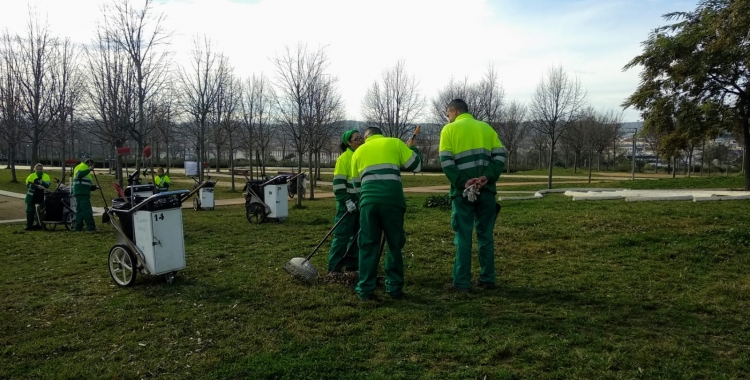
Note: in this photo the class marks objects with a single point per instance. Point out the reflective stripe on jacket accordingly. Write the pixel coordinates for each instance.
(469, 149)
(376, 172)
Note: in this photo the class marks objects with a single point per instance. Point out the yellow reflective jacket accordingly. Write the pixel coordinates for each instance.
(469, 149)
(376, 170)
(162, 182)
(83, 182)
(343, 183)
(32, 191)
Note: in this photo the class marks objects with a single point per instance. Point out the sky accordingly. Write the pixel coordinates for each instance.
(437, 39)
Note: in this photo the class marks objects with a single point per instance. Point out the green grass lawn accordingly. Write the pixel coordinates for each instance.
(586, 290)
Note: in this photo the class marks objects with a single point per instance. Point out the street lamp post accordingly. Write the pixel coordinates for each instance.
(633, 169)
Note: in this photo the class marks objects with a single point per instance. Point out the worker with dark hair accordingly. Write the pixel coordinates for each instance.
(472, 157)
(376, 170)
(162, 180)
(346, 202)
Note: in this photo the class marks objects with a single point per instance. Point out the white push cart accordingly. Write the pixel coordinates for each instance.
(266, 200)
(149, 236)
(205, 198)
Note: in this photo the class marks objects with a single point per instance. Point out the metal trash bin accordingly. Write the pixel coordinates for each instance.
(149, 235)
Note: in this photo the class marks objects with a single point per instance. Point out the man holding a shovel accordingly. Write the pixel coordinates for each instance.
(376, 171)
(83, 184)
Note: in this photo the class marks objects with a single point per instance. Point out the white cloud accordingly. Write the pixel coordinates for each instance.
(438, 39)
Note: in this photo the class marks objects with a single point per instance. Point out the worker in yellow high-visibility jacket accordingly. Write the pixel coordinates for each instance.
(376, 170)
(472, 157)
(83, 185)
(346, 201)
(36, 182)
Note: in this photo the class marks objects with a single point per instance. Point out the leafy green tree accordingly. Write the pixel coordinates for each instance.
(695, 75)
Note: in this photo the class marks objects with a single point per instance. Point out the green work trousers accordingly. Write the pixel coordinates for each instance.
(31, 213)
(374, 221)
(343, 243)
(481, 213)
(84, 213)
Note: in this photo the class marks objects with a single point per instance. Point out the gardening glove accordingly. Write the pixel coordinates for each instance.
(350, 206)
(471, 193)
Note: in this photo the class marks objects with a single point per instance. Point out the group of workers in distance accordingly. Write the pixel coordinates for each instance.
(83, 184)
(369, 193)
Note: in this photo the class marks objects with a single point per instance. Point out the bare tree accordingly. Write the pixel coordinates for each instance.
(296, 72)
(609, 127)
(489, 98)
(201, 85)
(111, 94)
(554, 106)
(257, 116)
(70, 91)
(11, 118)
(36, 58)
(164, 123)
(453, 90)
(395, 104)
(575, 139)
(228, 116)
(328, 115)
(512, 129)
(140, 34)
(540, 142)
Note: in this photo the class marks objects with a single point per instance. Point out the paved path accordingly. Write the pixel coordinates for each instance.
(15, 200)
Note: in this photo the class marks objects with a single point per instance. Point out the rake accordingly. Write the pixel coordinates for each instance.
(301, 268)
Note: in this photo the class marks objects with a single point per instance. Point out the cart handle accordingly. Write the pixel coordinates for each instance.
(183, 199)
(157, 196)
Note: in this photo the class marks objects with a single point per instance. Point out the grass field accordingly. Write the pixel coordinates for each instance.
(586, 290)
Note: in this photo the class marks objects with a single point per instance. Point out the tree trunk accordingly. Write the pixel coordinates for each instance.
(218, 158)
(674, 166)
(250, 163)
(12, 163)
(299, 179)
(169, 158)
(745, 156)
(591, 157)
(509, 153)
(262, 161)
(551, 164)
(231, 164)
(690, 164)
(311, 164)
(575, 162)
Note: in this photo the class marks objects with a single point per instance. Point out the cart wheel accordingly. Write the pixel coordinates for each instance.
(196, 204)
(255, 213)
(302, 194)
(70, 221)
(289, 190)
(170, 277)
(122, 265)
